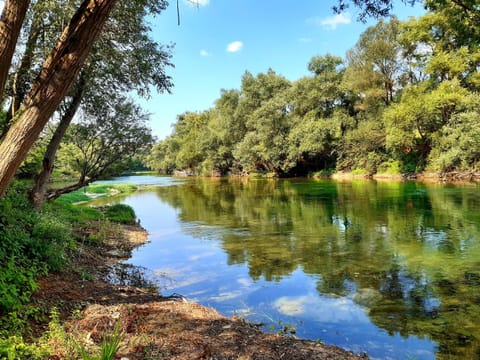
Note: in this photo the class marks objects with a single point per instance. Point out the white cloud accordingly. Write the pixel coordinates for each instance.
(204, 52)
(291, 306)
(2, 4)
(331, 22)
(235, 46)
(197, 2)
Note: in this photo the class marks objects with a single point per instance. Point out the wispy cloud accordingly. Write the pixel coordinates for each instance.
(331, 22)
(197, 2)
(204, 52)
(235, 46)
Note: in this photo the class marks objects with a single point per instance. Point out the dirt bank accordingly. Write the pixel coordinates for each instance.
(152, 326)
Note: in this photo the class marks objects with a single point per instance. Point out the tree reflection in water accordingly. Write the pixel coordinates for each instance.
(406, 252)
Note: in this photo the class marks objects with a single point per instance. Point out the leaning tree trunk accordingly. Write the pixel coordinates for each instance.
(37, 194)
(54, 194)
(13, 14)
(58, 73)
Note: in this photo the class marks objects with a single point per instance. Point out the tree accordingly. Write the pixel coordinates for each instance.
(42, 26)
(373, 66)
(370, 8)
(190, 131)
(264, 109)
(383, 8)
(457, 146)
(162, 156)
(102, 140)
(412, 124)
(11, 22)
(58, 73)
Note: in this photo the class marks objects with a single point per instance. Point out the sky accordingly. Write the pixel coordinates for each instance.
(218, 40)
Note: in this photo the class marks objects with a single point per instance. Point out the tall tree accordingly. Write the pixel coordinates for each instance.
(11, 22)
(43, 24)
(57, 75)
(102, 140)
(375, 57)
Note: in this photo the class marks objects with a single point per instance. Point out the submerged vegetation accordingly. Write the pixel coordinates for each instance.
(405, 99)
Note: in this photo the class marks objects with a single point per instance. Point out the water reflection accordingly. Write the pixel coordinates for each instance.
(391, 268)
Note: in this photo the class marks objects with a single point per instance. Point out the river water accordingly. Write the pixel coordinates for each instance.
(387, 268)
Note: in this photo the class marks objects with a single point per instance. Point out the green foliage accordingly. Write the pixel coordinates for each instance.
(120, 213)
(458, 144)
(15, 348)
(32, 243)
(104, 142)
(74, 197)
(390, 167)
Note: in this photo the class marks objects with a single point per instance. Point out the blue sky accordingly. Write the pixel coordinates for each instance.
(219, 40)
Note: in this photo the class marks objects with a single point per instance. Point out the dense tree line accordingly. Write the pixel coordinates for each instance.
(405, 99)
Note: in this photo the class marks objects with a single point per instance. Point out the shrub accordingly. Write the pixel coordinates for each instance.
(32, 243)
(390, 167)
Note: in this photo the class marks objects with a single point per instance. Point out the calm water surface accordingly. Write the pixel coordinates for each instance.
(391, 269)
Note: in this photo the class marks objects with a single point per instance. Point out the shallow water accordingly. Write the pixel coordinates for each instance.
(389, 268)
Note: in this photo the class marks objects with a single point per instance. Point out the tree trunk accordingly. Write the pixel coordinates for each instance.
(22, 79)
(13, 14)
(37, 194)
(53, 194)
(48, 90)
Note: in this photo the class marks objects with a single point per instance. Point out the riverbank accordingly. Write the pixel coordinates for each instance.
(151, 326)
(453, 177)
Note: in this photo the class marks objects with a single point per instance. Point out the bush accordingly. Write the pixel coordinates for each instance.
(14, 347)
(360, 171)
(32, 243)
(390, 167)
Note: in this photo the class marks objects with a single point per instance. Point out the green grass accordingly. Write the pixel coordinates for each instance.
(82, 195)
(120, 213)
(74, 197)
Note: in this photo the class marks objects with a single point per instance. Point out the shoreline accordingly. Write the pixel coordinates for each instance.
(90, 307)
(457, 177)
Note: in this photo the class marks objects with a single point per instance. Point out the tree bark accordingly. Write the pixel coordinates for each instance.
(37, 194)
(22, 79)
(58, 73)
(13, 14)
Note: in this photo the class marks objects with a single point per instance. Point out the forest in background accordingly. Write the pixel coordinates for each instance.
(403, 100)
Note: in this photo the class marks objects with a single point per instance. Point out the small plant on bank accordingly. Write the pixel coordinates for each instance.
(109, 347)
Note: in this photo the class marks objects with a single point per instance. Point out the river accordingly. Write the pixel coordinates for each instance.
(387, 268)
